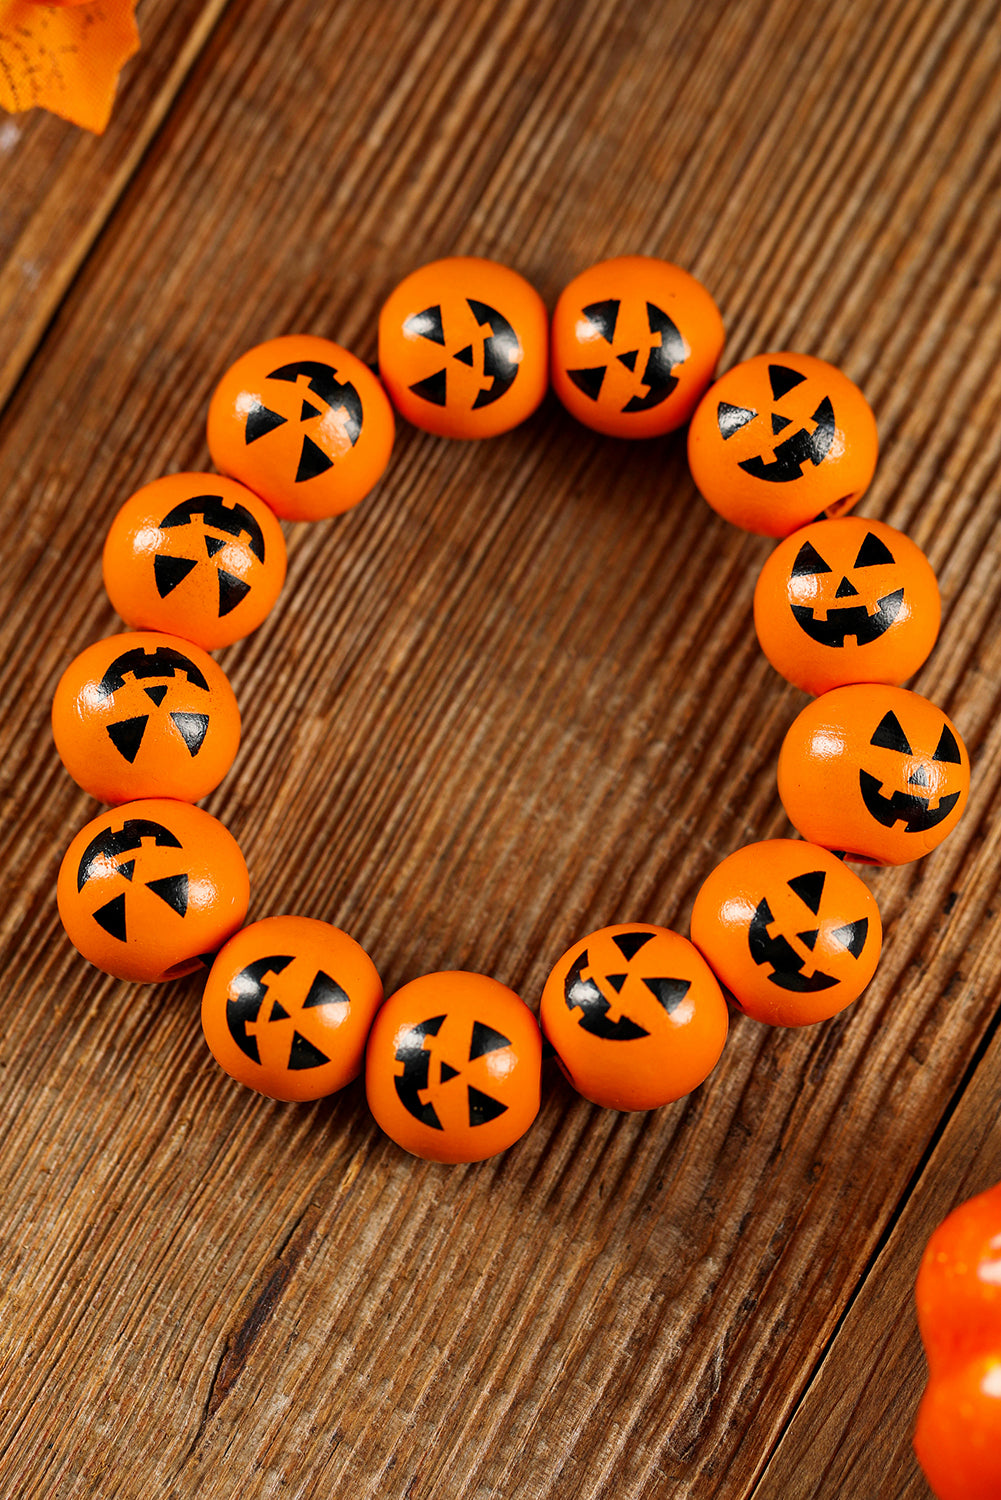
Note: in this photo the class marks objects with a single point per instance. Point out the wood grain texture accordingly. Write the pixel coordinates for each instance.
(513, 696)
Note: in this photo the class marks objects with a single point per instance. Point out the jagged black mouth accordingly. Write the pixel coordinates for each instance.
(852, 620)
(916, 813)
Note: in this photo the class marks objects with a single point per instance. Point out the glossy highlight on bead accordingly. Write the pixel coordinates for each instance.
(878, 773)
(845, 601)
(789, 930)
(635, 342)
(287, 1007)
(781, 440)
(464, 347)
(636, 1016)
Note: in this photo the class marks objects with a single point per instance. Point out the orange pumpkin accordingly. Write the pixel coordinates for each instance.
(145, 715)
(150, 890)
(635, 342)
(792, 933)
(846, 601)
(453, 1067)
(195, 555)
(287, 1007)
(876, 772)
(635, 1015)
(781, 440)
(304, 424)
(464, 347)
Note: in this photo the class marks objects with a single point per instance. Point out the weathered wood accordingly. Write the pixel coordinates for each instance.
(514, 695)
(852, 1433)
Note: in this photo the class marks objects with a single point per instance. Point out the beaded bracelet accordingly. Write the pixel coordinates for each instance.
(637, 1015)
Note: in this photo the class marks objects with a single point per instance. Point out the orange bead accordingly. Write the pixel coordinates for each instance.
(958, 1295)
(780, 440)
(464, 347)
(150, 890)
(635, 342)
(846, 601)
(453, 1069)
(635, 1015)
(304, 424)
(792, 933)
(957, 1438)
(144, 715)
(197, 556)
(288, 1005)
(878, 773)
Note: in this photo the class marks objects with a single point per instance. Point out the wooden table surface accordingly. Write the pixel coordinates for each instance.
(511, 697)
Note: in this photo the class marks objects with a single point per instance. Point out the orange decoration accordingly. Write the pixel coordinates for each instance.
(304, 424)
(635, 342)
(958, 1435)
(792, 933)
(635, 1015)
(65, 56)
(453, 1069)
(878, 773)
(143, 715)
(846, 601)
(464, 347)
(150, 890)
(781, 440)
(195, 555)
(288, 1005)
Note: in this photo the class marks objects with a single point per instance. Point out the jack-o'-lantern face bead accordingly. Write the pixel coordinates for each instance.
(453, 1067)
(287, 1007)
(635, 341)
(463, 347)
(635, 1015)
(781, 440)
(304, 424)
(197, 556)
(846, 601)
(877, 773)
(792, 934)
(150, 890)
(145, 715)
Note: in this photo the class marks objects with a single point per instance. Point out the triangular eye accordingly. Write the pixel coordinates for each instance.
(852, 936)
(890, 736)
(873, 553)
(808, 560)
(731, 419)
(947, 749)
(783, 379)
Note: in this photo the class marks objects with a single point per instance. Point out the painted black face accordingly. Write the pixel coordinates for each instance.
(233, 521)
(501, 353)
(108, 846)
(582, 991)
(666, 350)
(786, 965)
(416, 1077)
(164, 662)
(336, 394)
(911, 808)
(802, 446)
(245, 1002)
(848, 620)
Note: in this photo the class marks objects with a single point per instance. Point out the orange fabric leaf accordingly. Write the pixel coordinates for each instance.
(65, 58)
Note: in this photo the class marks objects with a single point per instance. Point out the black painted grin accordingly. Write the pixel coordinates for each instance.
(786, 964)
(850, 620)
(917, 813)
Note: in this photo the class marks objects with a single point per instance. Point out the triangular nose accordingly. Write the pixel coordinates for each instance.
(845, 589)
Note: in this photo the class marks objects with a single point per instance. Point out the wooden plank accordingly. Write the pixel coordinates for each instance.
(513, 696)
(60, 182)
(852, 1433)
